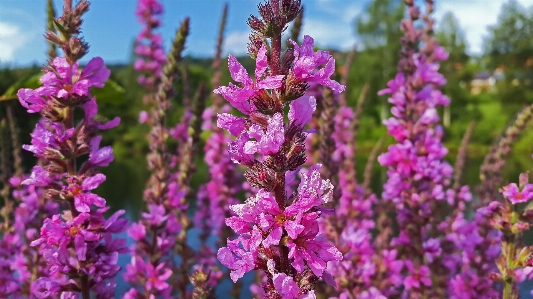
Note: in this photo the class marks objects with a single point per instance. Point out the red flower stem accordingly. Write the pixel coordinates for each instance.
(276, 55)
(279, 189)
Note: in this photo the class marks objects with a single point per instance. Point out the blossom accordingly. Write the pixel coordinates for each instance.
(156, 279)
(267, 142)
(45, 287)
(273, 151)
(62, 80)
(417, 277)
(149, 45)
(301, 110)
(100, 157)
(306, 63)
(83, 198)
(238, 96)
(515, 195)
(240, 259)
(315, 251)
(285, 286)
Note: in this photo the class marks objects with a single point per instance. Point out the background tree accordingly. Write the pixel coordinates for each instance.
(378, 33)
(509, 48)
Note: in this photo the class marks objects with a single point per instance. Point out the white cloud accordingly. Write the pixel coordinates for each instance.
(11, 39)
(236, 43)
(329, 34)
(334, 28)
(474, 16)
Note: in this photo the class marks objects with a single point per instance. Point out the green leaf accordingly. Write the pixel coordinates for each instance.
(32, 82)
(111, 93)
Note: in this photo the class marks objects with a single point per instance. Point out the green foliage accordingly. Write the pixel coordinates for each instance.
(111, 93)
(31, 81)
(379, 31)
(510, 41)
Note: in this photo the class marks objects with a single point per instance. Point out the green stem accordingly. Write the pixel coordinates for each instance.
(508, 288)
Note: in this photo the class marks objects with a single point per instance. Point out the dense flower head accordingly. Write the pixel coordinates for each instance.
(149, 45)
(261, 216)
(76, 244)
(277, 228)
(418, 176)
(64, 85)
(81, 245)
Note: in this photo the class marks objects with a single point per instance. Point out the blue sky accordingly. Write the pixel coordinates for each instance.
(110, 26)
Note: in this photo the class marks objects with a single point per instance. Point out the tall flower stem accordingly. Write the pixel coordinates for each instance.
(509, 250)
(68, 122)
(277, 227)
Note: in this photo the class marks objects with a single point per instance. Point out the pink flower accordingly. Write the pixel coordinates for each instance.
(267, 142)
(307, 61)
(515, 195)
(58, 233)
(240, 259)
(235, 125)
(238, 96)
(301, 110)
(143, 117)
(66, 79)
(394, 85)
(416, 276)
(83, 199)
(156, 279)
(100, 157)
(312, 250)
(45, 287)
(285, 285)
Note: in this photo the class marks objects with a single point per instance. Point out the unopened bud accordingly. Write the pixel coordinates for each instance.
(523, 179)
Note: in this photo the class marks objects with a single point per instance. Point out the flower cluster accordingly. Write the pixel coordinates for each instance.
(18, 260)
(515, 261)
(149, 45)
(418, 175)
(150, 271)
(278, 229)
(78, 242)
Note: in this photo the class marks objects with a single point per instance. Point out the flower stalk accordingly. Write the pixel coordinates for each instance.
(277, 225)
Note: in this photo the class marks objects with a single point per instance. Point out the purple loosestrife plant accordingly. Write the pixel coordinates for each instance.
(278, 231)
(349, 227)
(78, 242)
(418, 174)
(442, 256)
(152, 263)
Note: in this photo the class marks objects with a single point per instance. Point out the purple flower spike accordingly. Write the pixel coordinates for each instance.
(76, 247)
(278, 223)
